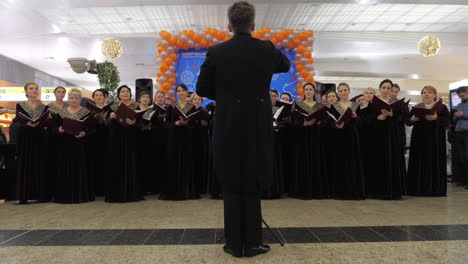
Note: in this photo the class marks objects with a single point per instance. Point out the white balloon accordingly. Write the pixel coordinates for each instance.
(309, 66)
(300, 79)
(170, 92)
(190, 42)
(158, 38)
(170, 49)
(294, 50)
(291, 36)
(267, 35)
(162, 79)
(164, 42)
(298, 55)
(284, 42)
(209, 38)
(158, 60)
(172, 68)
(197, 46)
(164, 54)
(183, 37)
(303, 60)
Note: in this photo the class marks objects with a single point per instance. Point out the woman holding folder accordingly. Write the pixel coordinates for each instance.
(200, 144)
(427, 168)
(123, 183)
(145, 170)
(32, 181)
(308, 169)
(181, 183)
(97, 142)
(384, 178)
(73, 183)
(344, 171)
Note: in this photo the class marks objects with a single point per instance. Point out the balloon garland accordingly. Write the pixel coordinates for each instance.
(300, 42)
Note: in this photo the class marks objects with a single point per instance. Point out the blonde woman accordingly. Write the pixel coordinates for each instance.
(73, 183)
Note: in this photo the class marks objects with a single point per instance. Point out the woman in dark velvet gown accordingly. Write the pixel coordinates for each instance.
(384, 178)
(149, 179)
(98, 143)
(365, 119)
(158, 123)
(32, 180)
(277, 188)
(201, 145)
(308, 168)
(214, 186)
(54, 107)
(329, 134)
(180, 183)
(73, 182)
(345, 166)
(285, 128)
(122, 183)
(427, 167)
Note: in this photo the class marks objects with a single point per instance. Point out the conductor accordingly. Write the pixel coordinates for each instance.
(237, 75)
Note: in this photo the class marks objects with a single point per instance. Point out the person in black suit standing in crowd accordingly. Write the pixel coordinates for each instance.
(237, 75)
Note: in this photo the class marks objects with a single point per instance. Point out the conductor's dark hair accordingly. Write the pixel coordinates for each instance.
(121, 88)
(104, 92)
(386, 81)
(274, 91)
(462, 89)
(183, 86)
(241, 16)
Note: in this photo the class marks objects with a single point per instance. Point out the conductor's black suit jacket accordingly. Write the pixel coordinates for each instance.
(237, 75)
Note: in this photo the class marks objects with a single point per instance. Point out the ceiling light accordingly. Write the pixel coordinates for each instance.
(429, 46)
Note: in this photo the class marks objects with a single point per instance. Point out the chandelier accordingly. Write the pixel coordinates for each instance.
(111, 48)
(429, 46)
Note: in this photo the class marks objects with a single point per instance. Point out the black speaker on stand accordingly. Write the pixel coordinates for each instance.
(143, 85)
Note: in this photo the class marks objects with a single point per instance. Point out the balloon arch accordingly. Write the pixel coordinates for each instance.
(300, 42)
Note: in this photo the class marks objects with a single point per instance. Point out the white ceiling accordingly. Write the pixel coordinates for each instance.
(353, 38)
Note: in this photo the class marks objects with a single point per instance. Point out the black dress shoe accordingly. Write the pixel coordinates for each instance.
(251, 252)
(232, 252)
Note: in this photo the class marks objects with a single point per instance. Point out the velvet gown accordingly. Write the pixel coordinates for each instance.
(32, 180)
(427, 166)
(145, 167)
(73, 183)
(98, 153)
(365, 120)
(123, 183)
(308, 176)
(345, 172)
(385, 176)
(180, 183)
(201, 153)
(214, 186)
(52, 144)
(159, 125)
(277, 187)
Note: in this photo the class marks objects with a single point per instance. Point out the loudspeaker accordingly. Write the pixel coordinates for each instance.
(322, 88)
(143, 85)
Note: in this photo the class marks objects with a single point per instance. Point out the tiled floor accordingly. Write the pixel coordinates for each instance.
(413, 230)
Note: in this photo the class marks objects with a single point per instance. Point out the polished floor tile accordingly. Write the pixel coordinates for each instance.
(363, 234)
(165, 237)
(132, 237)
(330, 235)
(395, 234)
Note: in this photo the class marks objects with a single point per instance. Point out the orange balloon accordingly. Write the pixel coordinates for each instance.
(185, 46)
(204, 42)
(296, 42)
(301, 48)
(196, 38)
(166, 86)
(172, 41)
(163, 67)
(160, 73)
(304, 73)
(274, 40)
(172, 80)
(309, 79)
(173, 55)
(190, 34)
(220, 35)
(307, 54)
(290, 46)
(299, 67)
(168, 60)
(267, 29)
(302, 36)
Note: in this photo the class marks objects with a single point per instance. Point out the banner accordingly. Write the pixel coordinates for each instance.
(190, 61)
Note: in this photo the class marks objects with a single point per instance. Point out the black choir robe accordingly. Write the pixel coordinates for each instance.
(180, 183)
(344, 164)
(145, 167)
(123, 183)
(73, 183)
(32, 180)
(308, 175)
(365, 120)
(385, 176)
(158, 162)
(427, 166)
(98, 152)
(201, 152)
(277, 187)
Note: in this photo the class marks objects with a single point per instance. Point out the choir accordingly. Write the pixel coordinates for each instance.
(336, 148)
